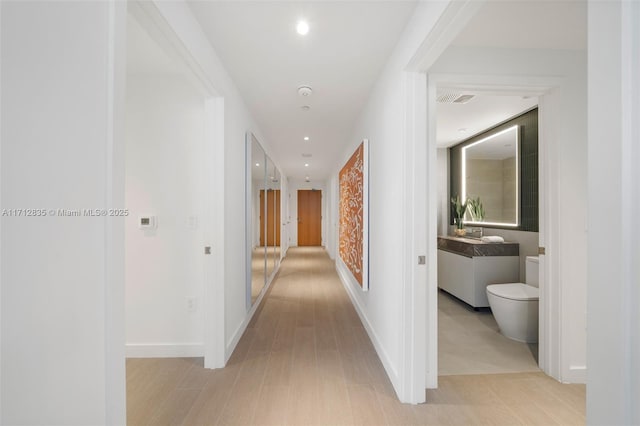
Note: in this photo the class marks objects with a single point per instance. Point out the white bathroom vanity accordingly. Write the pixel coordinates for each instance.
(466, 266)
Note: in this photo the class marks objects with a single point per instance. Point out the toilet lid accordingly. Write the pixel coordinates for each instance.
(514, 291)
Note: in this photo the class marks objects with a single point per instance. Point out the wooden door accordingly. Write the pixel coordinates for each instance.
(273, 218)
(262, 219)
(309, 218)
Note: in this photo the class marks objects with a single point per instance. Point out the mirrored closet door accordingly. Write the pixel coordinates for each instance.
(263, 221)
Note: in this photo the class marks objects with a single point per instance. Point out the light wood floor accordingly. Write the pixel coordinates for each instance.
(470, 342)
(306, 359)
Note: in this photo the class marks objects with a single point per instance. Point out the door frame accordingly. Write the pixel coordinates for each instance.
(421, 308)
(419, 369)
(151, 19)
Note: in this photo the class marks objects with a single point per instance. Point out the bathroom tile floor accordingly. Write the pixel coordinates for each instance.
(469, 342)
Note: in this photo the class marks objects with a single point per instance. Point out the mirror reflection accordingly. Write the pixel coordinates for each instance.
(490, 179)
(257, 168)
(274, 223)
(268, 225)
(263, 219)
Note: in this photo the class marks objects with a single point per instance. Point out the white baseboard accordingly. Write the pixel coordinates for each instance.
(164, 350)
(576, 374)
(350, 285)
(231, 344)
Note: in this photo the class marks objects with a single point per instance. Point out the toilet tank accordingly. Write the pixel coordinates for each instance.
(531, 270)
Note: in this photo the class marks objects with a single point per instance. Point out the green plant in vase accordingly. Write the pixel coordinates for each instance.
(476, 209)
(459, 209)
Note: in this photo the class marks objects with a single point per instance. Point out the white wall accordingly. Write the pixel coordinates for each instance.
(382, 122)
(292, 219)
(237, 120)
(62, 338)
(563, 126)
(164, 139)
(613, 386)
(332, 217)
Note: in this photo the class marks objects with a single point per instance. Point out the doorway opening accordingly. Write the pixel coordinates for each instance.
(171, 136)
(487, 146)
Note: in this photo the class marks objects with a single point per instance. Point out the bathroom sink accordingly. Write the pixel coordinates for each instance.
(474, 240)
(472, 247)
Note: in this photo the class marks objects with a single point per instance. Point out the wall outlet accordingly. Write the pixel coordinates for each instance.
(192, 304)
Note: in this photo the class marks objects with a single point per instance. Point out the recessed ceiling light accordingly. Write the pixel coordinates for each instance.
(302, 28)
(306, 164)
(306, 138)
(462, 130)
(257, 164)
(305, 107)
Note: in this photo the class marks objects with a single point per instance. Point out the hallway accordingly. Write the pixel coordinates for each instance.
(306, 359)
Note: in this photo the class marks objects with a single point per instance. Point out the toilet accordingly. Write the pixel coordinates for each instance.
(515, 305)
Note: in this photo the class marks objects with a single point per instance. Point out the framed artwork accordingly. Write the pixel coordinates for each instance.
(354, 215)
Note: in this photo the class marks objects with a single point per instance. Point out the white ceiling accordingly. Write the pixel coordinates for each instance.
(539, 24)
(340, 58)
(527, 24)
(479, 114)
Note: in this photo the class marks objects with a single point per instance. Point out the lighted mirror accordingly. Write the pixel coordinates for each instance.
(490, 179)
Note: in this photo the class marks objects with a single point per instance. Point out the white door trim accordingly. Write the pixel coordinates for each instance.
(114, 301)
(151, 18)
(213, 223)
(453, 20)
(550, 297)
(419, 170)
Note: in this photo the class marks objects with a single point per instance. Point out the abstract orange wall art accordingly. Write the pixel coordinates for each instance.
(354, 199)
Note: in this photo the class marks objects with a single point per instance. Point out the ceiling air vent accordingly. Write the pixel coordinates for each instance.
(463, 99)
(453, 98)
(447, 97)
(307, 155)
